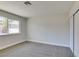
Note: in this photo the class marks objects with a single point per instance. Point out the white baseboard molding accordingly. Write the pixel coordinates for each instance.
(9, 45)
(50, 43)
(72, 51)
(12, 44)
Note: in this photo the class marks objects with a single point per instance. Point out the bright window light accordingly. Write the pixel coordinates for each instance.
(13, 26)
(8, 26)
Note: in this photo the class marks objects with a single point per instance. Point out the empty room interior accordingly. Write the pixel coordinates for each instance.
(39, 28)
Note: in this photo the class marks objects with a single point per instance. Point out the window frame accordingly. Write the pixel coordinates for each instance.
(7, 33)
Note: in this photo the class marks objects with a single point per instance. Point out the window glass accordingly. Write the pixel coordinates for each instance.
(3, 24)
(8, 26)
(13, 26)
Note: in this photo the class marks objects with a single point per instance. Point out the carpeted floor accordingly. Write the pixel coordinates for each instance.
(32, 49)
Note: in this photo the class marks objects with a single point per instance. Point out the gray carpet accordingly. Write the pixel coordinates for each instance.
(32, 49)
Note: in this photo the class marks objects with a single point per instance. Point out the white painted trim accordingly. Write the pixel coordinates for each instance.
(9, 45)
(63, 45)
(71, 48)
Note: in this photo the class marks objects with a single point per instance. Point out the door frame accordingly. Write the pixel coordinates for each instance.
(74, 28)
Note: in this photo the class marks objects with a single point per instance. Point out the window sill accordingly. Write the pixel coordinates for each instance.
(9, 34)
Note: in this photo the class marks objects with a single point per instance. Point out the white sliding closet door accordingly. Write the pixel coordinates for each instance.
(76, 34)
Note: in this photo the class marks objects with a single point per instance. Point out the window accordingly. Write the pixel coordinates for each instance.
(13, 26)
(8, 26)
(3, 25)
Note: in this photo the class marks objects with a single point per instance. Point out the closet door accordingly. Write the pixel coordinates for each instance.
(76, 34)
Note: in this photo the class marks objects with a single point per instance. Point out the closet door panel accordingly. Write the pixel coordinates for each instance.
(76, 34)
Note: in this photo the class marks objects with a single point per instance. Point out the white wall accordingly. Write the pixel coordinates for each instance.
(12, 39)
(73, 10)
(52, 29)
